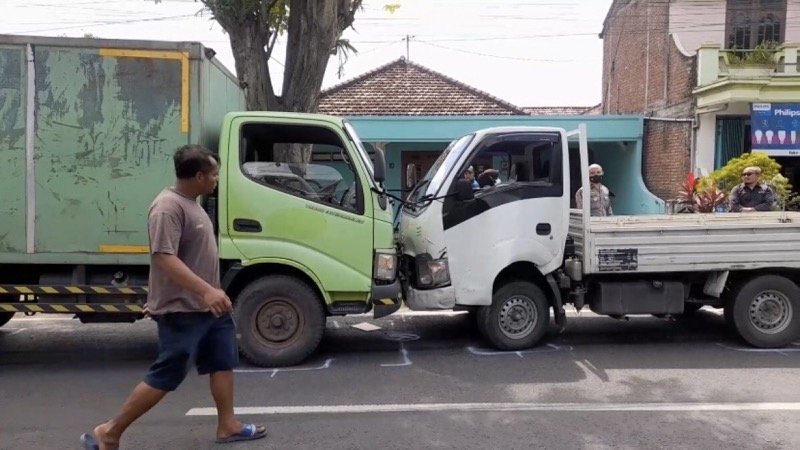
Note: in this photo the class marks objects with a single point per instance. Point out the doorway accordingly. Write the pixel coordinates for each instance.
(423, 162)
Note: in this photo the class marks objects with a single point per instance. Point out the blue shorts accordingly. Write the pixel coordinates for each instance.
(192, 338)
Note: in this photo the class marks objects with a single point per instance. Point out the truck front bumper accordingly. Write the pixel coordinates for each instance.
(435, 299)
(386, 299)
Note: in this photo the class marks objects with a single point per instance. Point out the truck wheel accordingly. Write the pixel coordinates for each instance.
(765, 311)
(5, 317)
(518, 316)
(280, 321)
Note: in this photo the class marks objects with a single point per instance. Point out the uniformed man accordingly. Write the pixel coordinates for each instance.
(600, 199)
(751, 195)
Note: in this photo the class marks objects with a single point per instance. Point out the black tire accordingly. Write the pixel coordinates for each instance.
(481, 320)
(5, 317)
(529, 303)
(280, 321)
(766, 311)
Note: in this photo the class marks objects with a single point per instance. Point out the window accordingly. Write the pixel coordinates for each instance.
(523, 158)
(751, 22)
(269, 152)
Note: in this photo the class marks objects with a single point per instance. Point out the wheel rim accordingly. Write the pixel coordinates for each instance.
(517, 317)
(278, 323)
(770, 312)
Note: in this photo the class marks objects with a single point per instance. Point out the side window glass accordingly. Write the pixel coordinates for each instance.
(273, 155)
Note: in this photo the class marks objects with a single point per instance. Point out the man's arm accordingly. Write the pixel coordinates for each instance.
(766, 201)
(734, 200)
(165, 234)
(579, 198)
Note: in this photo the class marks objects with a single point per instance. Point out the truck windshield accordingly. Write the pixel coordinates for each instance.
(429, 185)
(362, 152)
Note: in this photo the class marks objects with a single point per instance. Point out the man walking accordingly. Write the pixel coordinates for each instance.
(191, 311)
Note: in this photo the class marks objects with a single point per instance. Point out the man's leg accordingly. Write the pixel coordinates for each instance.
(178, 337)
(218, 355)
(141, 400)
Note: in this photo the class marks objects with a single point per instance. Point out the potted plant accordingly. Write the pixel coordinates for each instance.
(757, 63)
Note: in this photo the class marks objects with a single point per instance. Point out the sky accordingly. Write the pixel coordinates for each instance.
(527, 52)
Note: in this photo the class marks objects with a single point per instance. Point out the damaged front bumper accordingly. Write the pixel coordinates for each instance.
(436, 299)
(386, 299)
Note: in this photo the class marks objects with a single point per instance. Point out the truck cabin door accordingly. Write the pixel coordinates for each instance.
(311, 212)
(524, 217)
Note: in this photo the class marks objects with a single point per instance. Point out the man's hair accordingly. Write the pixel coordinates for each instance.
(191, 159)
(595, 166)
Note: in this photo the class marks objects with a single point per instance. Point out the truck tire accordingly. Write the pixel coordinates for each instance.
(517, 318)
(766, 311)
(280, 321)
(5, 317)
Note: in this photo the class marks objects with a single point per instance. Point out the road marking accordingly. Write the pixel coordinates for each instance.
(325, 365)
(486, 352)
(14, 331)
(782, 351)
(465, 407)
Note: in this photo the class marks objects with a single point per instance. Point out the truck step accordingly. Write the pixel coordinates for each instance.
(72, 290)
(58, 308)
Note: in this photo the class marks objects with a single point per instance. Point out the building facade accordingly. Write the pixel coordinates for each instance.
(686, 66)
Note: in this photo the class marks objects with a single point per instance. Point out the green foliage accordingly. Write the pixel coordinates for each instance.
(730, 175)
(763, 54)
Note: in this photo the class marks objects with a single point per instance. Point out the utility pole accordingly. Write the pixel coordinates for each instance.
(408, 47)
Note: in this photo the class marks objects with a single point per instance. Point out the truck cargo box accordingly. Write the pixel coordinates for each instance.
(87, 131)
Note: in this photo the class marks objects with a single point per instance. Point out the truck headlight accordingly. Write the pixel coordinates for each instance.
(432, 272)
(385, 266)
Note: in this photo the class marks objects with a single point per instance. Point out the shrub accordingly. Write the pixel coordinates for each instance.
(731, 174)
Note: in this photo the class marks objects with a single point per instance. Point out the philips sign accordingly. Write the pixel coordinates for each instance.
(774, 128)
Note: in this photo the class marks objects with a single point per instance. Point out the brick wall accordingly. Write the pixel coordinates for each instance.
(655, 83)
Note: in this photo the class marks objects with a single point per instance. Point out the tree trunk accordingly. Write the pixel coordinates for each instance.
(248, 43)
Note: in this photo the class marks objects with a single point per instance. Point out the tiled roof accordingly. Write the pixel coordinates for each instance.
(403, 88)
(556, 110)
(594, 110)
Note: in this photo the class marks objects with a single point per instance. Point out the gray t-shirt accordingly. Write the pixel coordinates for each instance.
(179, 226)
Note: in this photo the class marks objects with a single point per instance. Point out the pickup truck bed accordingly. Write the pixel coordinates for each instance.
(686, 242)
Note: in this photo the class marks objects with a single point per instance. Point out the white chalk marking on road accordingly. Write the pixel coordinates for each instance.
(406, 361)
(402, 338)
(14, 331)
(465, 407)
(484, 352)
(335, 324)
(782, 351)
(274, 372)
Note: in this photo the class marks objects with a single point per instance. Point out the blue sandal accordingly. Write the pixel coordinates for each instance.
(88, 442)
(249, 432)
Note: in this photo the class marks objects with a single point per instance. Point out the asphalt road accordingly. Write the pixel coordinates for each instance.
(422, 382)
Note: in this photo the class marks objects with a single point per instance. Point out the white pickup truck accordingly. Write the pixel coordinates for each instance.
(513, 251)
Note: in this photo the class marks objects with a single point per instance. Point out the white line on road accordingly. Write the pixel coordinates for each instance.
(556, 407)
(15, 331)
(782, 351)
(274, 372)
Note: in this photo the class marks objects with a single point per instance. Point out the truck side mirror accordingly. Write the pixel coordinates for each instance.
(379, 166)
(464, 192)
(411, 176)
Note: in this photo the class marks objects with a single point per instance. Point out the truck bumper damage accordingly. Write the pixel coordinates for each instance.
(437, 299)
(386, 299)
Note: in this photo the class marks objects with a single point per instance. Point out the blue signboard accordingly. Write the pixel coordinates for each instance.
(775, 128)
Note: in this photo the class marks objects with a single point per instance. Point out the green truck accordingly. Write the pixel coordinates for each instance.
(87, 131)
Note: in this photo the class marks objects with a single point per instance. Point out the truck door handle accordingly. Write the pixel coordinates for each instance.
(246, 225)
(543, 229)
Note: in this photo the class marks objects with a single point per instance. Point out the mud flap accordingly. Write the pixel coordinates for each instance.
(558, 305)
(387, 299)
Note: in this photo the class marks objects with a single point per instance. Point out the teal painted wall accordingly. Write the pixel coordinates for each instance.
(622, 163)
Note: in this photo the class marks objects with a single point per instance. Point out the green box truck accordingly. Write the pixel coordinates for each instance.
(87, 131)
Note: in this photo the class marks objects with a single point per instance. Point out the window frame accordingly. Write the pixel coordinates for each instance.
(360, 208)
(754, 12)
